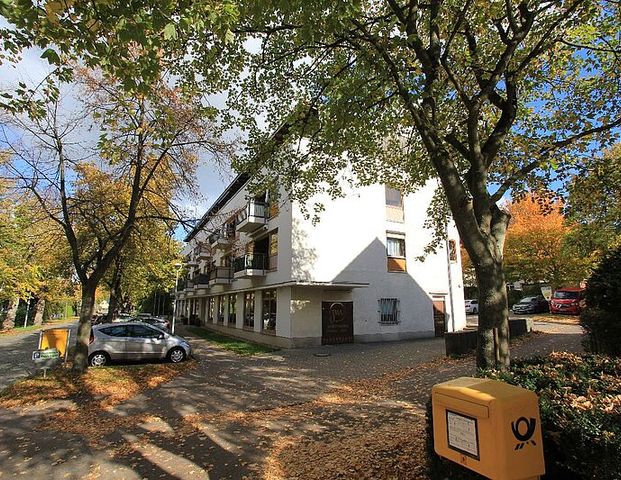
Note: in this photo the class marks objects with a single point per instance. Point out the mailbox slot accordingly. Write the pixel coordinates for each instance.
(463, 406)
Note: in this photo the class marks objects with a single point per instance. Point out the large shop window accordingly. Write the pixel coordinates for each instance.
(249, 309)
(395, 251)
(232, 310)
(221, 309)
(269, 311)
(211, 309)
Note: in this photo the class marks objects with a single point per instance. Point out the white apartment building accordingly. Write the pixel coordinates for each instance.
(259, 270)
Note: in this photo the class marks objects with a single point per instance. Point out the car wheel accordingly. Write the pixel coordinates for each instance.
(98, 359)
(474, 311)
(176, 355)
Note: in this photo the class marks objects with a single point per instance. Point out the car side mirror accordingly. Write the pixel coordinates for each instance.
(161, 336)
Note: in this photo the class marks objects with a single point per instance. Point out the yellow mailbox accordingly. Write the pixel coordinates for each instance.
(488, 426)
(57, 338)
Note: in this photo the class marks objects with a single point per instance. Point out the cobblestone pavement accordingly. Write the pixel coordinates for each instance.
(268, 416)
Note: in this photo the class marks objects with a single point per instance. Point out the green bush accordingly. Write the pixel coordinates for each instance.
(603, 331)
(580, 406)
(602, 317)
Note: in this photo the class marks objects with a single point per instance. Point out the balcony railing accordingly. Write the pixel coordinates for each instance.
(220, 275)
(213, 238)
(252, 217)
(201, 280)
(181, 284)
(250, 261)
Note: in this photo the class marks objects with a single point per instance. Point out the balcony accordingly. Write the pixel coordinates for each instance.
(219, 240)
(250, 265)
(201, 281)
(252, 217)
(181, 284)
(220, 276)
(202, 253)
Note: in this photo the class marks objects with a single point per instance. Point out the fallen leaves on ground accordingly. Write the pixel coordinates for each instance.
(101, 387)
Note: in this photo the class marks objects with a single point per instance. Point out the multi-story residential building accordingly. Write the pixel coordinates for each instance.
(258, 269)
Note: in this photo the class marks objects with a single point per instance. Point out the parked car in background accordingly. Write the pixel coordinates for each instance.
(535, 304)
(134, 341)
(568, 300)
(155, 321)
(472, 306)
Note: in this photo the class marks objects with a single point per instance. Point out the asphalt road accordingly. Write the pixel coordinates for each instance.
(16, 354)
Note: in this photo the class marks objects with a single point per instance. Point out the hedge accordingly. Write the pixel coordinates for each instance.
(580, 405)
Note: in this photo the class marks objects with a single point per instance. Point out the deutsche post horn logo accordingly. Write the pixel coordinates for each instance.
(523, 434)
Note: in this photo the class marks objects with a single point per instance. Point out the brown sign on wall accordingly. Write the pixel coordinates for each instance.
(337, 322)
(439, 317)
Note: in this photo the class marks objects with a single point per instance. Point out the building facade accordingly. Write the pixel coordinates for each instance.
(259, 270)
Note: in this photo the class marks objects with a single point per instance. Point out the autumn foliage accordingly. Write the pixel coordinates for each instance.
(536, 248)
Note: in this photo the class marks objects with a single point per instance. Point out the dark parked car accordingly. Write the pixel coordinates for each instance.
(536, 304)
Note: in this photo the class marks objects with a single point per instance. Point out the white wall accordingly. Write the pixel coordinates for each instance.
(348, 245)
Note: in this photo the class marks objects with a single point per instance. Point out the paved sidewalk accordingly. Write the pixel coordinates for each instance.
(290, 414)
(16, 353)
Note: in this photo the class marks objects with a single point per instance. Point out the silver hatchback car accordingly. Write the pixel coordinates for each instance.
(134, 341)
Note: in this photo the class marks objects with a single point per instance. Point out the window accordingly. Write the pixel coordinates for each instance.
(232, 311)
(211, 309)
(452, 251)
(395, 246)
(140, 331)
(221, 309)
(269, 311)
(393, 197)
(273, 250)
(395, 251)
(117, 331)
(389, 311)
(249, 309)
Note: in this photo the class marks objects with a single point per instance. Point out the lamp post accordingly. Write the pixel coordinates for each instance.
(174, 318)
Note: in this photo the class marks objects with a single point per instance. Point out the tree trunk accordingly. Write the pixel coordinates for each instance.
(80, 360)
(114, 303)
(493, 336)
(38, 312)
(9, 321)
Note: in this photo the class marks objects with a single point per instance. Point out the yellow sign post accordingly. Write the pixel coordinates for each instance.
(488, 426)
(57, 338)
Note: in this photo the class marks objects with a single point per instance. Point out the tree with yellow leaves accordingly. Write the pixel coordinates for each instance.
(98, 188)
(537, 247)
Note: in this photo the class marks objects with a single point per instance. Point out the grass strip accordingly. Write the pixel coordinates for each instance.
(236, 345)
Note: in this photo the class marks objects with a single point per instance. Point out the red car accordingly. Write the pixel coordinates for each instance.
(568, 300)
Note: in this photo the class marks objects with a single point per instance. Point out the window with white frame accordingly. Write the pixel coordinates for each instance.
(389, 311)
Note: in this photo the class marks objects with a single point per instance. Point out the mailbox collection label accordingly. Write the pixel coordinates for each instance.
(462, 433)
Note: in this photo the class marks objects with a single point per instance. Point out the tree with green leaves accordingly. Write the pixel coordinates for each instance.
(487, 97)
(594, 203)
(145, 265)
(135, 170)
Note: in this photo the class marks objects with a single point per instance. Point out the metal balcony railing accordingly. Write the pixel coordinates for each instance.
(250, 261)
(181, 284)
(213, 238)
(220, 273)
(201, 279)
(253, 209)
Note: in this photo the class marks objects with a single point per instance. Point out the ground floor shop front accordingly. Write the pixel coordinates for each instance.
(306, 315)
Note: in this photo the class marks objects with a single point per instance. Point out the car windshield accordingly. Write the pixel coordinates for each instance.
(528, 300)
(563, 294)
